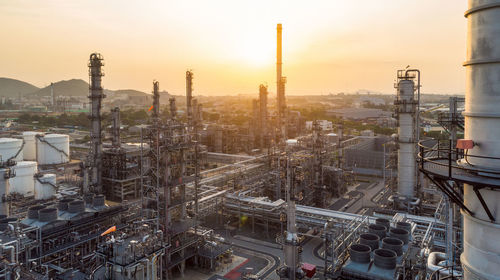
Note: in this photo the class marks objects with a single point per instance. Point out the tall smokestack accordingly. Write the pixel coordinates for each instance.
(481, 256)
(96, 95)
(280, 82)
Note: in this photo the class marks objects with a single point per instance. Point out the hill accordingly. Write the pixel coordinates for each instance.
(73, 87)
(13, 87)
(130, 92)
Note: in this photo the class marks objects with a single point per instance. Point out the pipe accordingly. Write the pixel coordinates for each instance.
(12, 252)
(433, 265)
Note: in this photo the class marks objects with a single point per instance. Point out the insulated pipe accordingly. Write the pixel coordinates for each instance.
(481, 255)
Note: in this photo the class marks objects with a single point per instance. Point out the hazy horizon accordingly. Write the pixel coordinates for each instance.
(328, 47)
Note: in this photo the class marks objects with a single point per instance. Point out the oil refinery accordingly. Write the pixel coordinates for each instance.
(277, 194)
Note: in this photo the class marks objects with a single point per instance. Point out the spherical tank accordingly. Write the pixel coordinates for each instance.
(23, 182)
(53, 149)
(9, 147)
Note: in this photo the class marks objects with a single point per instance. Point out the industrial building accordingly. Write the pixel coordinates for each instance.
(270, 200)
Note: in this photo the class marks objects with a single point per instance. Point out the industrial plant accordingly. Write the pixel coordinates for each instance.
(180, 192)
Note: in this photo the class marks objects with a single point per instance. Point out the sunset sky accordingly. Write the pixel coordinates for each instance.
(328, 46)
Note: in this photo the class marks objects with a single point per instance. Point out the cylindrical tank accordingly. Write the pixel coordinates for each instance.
(63, 204)
(9, 147)
(404, 225)
(379, 230)
(360, 253)
(47, 214)
(45, 186)
(384, 222)
(481, 240)
(33, 211)
(393, 244)
(24, 181)
(29, 149)
(385, 259)
(399, 233)
(53, 149)
(4, 187)
(76, 206)
(98, 201)
(369, 239)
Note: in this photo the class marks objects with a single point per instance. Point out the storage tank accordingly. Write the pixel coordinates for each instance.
(52, 149)
(29, 149)
(11, 147)
(45, 186)
(4, 186)
(24, 181)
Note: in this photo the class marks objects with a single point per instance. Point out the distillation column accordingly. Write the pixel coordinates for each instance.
(189, 96)
(263, 115)
(115, 116)
(405, 113)
(96, 95)
(481, 256)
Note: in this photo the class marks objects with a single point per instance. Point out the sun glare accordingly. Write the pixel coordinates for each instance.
(257, 49)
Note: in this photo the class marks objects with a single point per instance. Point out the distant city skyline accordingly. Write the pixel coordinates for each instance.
(328, 46)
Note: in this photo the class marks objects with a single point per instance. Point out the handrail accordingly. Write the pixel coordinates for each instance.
(451, 155)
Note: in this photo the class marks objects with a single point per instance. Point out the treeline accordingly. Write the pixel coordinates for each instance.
(81, 120)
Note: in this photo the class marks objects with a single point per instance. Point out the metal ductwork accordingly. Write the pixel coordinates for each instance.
(360, 253)
(481, 253)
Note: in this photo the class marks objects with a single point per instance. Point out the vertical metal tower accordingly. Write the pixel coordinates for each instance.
(406, 113)
(189, 95)
(96, 95)
(481, 255)
(280, 81)
(263, 115)
(115, 116)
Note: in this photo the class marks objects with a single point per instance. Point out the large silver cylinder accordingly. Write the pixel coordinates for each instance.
(481, 255)
(406, 138)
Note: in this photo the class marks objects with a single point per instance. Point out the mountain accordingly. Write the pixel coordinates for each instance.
(13, 87)
(130, 92)
(73, 87)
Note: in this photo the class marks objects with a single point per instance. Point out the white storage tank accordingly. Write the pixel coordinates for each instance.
(23, 182)
(9, 147)
(4, 185)
(29, 149)
(53, 149)
(45, 186)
